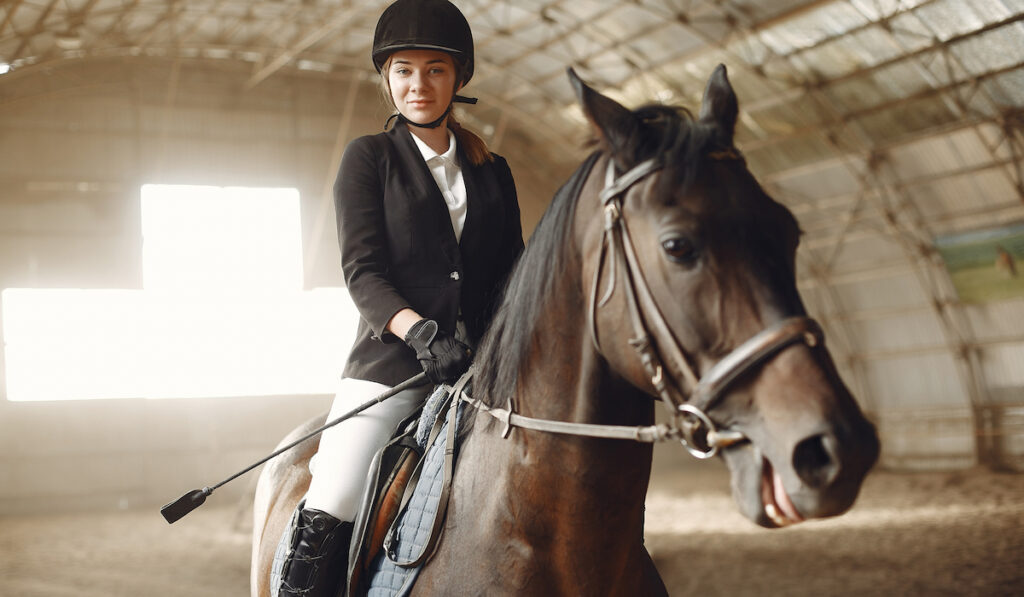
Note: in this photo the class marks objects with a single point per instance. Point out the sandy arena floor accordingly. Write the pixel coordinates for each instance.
(910, 534)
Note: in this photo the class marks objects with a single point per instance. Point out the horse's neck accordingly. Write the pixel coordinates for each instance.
(595, 479)
(548, 512)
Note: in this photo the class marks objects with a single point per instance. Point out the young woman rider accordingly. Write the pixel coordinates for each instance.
(429, 228)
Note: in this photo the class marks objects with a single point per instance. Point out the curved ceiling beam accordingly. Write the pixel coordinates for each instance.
(306, 41)
(36, 29)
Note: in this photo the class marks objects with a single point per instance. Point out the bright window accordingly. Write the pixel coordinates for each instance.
(221, 313)
(220, 238)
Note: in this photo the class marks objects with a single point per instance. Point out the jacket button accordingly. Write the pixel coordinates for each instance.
(454, 275)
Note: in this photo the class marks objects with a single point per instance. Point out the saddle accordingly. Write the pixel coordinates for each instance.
(403, 508)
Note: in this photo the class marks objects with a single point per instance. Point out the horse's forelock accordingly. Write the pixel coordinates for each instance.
(682, 142)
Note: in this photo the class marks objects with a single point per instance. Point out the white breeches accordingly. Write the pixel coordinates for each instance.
(341, 465)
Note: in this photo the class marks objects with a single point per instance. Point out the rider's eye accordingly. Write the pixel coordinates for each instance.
(680, 250)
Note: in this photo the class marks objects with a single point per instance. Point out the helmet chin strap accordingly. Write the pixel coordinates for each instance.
(435, 123)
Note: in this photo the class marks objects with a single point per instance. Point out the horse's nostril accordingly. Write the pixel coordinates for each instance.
(815, 461)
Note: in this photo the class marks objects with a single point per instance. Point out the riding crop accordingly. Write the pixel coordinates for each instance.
(195, 498)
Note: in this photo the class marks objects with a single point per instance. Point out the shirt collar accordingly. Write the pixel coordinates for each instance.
(429, 154)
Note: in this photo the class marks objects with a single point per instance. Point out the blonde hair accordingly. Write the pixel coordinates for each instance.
(472, 144)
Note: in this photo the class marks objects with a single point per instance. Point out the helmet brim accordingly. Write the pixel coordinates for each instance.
(380, 56)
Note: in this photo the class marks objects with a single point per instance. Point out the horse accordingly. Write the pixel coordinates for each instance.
(1005, 262)
(661, 272)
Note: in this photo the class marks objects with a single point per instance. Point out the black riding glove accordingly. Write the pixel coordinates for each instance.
(442, 357)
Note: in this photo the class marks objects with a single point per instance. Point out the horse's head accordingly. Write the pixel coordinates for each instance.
(691, 252)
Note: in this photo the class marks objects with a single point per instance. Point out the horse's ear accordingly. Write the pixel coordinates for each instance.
(614, 123)
(719, 106)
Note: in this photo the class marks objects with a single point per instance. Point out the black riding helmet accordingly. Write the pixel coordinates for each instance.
(424, 25)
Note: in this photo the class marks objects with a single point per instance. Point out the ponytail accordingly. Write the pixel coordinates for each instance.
(472, 145)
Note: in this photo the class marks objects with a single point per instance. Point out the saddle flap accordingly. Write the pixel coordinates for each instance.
(391, 471)
(387, 479)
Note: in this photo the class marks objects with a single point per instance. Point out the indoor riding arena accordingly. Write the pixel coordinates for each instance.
(173, 303)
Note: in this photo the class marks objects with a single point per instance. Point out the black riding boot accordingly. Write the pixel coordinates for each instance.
(317, 557)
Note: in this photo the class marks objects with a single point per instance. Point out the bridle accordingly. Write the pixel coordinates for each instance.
(689, 421)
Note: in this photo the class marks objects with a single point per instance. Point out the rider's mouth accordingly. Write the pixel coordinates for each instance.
(777, 505)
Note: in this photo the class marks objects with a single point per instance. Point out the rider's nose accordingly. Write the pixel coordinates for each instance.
(415, 81)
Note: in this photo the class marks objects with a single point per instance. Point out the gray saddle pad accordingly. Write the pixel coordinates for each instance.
(414, 523)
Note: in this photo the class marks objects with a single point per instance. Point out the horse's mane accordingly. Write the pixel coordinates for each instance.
(670, 132)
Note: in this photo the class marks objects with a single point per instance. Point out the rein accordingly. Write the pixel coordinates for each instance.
(644, 434)
(689, 421)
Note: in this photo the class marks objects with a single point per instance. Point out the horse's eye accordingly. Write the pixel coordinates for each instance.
(680, 250)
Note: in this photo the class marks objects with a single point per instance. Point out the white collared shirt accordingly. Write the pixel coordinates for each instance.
(447, 174)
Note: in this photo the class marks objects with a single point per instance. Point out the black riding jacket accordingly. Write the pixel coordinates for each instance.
(398, 248)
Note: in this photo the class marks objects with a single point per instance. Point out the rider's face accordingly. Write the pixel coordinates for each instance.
(422, 83)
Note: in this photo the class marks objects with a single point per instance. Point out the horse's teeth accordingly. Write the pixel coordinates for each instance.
(773, 513)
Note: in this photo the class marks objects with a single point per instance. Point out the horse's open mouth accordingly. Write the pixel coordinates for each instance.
(777, 505)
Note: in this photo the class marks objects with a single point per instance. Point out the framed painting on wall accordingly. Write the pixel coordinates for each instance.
(985, 265)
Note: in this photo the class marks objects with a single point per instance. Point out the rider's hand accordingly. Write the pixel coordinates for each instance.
(442, 357)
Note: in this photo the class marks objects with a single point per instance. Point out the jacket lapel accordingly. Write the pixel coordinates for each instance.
(429, 203)
(477, 196)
